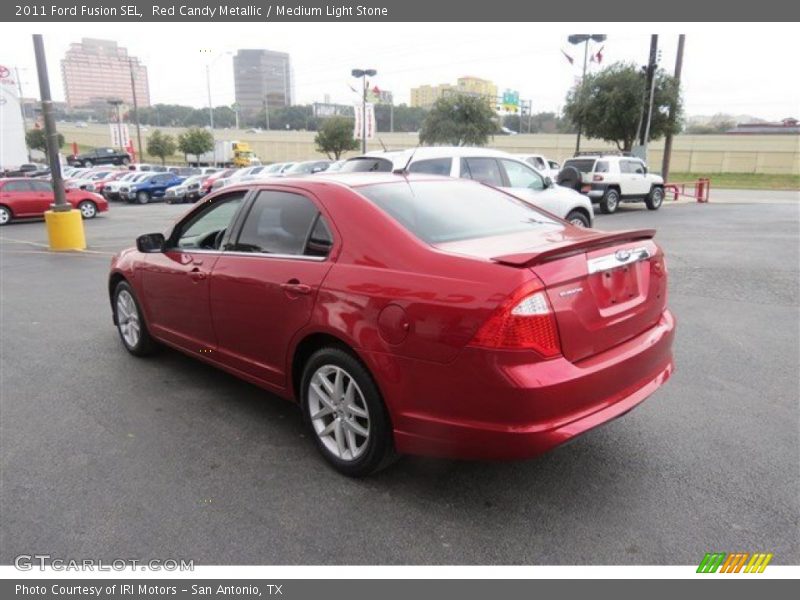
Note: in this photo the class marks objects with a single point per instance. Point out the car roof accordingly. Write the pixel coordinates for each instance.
(436, 152)
(350, 180)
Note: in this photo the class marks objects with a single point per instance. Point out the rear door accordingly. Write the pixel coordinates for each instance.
(43, 191)
(20, 197)
(264, 285)
(484, 169)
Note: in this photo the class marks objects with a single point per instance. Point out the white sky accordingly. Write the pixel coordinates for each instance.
(729, 68)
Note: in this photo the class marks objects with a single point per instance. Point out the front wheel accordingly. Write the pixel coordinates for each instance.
(87, 163)
(130, 322)
(609, 202)
(345, 413)
(655, 198)
(5, 215)
(126, 161)
(88, 209)
(578, 219)
(143, 197)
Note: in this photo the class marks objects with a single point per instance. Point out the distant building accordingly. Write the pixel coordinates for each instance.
(94, 71)
(262, 77)
(426, 95)
(788, 126)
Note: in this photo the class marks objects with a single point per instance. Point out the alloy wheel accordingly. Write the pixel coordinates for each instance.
(88, 210)
(338, 412)
(5, 215)
(128, 318)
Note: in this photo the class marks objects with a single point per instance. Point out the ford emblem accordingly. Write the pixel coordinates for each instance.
(622, 255)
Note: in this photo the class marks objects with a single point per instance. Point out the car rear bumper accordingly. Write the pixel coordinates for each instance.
(495, 405)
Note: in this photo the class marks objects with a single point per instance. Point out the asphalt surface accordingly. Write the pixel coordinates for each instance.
(104, 455)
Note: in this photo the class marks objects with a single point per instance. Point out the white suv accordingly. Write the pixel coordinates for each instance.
(492, 167)
(611, 179)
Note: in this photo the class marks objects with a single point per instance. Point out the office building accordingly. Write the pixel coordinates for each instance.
(262, 77)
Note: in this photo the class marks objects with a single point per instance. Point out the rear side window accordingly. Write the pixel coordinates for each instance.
(17, 186)
(41, 186)
(433, 166)
(601, 166)
(281, 223)
(447, 211)
(367, 164)
(584, 165)
(485, 170)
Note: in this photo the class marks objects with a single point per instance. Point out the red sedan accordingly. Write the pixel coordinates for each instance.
(22, 198)
(406, 314)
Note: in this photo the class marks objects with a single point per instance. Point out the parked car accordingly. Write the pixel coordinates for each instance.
(214, 177)
(152, 186)
(609, 179)
(22, 197)
(99, 156)
(492, 167)
(237, 176)
(184, 171)
(306, 167)
(146, 168)
(175, 194)
(28, 170)
(111, 191)
(189, 190)
(334, 167)
(100, 184)
(541, 163)
(406, 314)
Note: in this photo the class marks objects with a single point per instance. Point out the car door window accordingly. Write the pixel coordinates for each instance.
(433, 166)
(17, 186)
(281, 223)
(485, 170)
(522, 176)
(205, 228)
(41, 186)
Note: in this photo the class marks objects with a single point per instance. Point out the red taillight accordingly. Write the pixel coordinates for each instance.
(586, 188)
(524, 321)
(597, 178)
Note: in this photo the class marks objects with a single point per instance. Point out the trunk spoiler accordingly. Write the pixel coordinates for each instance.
(529, 258)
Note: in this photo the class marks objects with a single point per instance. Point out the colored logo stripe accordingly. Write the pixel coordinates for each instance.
(733, 562)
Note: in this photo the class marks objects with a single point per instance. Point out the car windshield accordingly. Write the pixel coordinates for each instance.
(273, 168)
(367, 164)
(584, 165)
(449, 211)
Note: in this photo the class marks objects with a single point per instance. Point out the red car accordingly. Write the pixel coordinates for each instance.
(208, 183)
(414, 314)
(22, 198)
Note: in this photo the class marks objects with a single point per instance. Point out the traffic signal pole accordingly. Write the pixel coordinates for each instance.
(64, 225)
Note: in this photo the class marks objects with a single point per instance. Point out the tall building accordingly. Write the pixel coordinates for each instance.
(95, 71)
(261, 75)
(425, 95)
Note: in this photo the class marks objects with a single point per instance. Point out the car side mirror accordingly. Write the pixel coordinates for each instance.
(150, 243)
(548, 182)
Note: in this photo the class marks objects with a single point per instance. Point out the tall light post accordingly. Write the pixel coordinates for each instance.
(210, 103)
(363, 74)
(136, 111)
(583, 39)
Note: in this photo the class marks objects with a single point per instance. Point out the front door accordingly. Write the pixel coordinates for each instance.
(176, 281)
(264, 288)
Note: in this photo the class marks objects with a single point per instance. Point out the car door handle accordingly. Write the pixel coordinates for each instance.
(295, 287)
(197, 275)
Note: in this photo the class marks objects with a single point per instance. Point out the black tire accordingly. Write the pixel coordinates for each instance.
(88, 209)
(142, 197)
(126, 161)
(609, 202)
(6, 216)
(87, 163)
(570, 177)
(655, 198)
(145, 345)
(379, 451)
(578, 218)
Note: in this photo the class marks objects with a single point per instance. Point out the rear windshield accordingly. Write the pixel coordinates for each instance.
(367, 164)
(448, 211)
(584, 165)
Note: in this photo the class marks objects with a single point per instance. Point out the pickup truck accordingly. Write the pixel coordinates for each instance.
(149, 188)
(100, 156)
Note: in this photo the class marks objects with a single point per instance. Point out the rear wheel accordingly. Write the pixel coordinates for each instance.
(126, 161)
(88, 209)
(578, 219)
(345, 413)
(87, 163)
(5, 215)
(143, 197)
(609, 201)
(130, 322)
(655, 198)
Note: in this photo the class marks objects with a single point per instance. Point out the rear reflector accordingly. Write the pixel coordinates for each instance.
(524, 321)
(586, 188)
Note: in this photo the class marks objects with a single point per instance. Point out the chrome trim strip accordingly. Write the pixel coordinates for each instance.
(248, 254)
(620, 258)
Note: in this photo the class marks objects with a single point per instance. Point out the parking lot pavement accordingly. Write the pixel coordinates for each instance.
(107, 456)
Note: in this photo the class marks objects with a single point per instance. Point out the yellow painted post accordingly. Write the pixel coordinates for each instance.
(65, 230)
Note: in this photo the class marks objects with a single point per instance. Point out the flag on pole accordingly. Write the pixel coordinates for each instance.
(568, 57)
(598, 56)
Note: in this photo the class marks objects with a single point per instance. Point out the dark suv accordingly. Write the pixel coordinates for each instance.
(100, 156)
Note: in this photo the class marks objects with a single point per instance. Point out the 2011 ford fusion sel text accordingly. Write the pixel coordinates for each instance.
(406, 314)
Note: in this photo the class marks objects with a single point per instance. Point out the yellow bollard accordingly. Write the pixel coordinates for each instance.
(65, 230)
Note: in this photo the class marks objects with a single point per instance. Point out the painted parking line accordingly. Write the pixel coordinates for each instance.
(40, 245)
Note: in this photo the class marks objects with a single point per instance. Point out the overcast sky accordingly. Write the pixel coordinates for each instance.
(736, 69)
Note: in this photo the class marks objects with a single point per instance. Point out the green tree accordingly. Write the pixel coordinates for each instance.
(196, 141)
(37, 140)
(458, 120)
(335, 137)
(609, 105)
(161, 145)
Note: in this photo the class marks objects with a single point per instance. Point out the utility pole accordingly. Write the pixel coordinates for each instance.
(136, 111)
(266, 109)
(672, 108)
(647, 105)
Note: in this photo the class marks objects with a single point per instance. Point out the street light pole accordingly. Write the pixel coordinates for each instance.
(136, 111)
(363, 74)
(116, 103)
(583, 39)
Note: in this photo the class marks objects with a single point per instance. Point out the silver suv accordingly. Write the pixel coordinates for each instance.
(610, 179)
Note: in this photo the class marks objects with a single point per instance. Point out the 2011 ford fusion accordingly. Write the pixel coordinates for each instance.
(406, 314)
